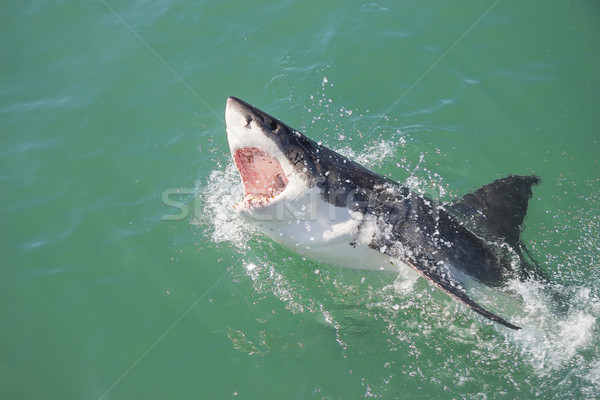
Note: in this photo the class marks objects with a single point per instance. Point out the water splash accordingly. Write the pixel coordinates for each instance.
(553, 338)
(215, 210)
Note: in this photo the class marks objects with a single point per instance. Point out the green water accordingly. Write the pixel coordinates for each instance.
(106, 292)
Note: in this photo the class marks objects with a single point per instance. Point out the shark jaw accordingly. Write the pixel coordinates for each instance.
(267, 175)
(262, 176)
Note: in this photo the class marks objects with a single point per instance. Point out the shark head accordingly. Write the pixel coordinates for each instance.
(277, 162)
(268, 154)
(296, 191)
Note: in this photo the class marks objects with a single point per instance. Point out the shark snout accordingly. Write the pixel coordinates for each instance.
(237, 113)
(247, 127)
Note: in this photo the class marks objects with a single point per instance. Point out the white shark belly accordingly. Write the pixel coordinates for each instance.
(341, 251)
(320, 232)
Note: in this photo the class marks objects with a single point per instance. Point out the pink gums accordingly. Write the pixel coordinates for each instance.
(262, 175)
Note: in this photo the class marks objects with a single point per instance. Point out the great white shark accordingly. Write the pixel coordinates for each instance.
(318, 203)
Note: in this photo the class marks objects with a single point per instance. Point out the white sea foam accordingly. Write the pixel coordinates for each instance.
(554, 338)
(216, 209)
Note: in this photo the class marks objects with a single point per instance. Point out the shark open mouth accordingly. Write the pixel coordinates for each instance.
(262, 175)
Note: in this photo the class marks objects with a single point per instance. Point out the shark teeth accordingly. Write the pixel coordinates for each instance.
(257, 201)
(262, 176)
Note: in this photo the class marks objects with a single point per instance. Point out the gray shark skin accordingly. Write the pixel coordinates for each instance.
(388, 225)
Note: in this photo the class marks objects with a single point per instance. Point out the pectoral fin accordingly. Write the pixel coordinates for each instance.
(441, 276)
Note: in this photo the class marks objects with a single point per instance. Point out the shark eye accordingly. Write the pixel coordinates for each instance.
(248, 119)
(273, 126)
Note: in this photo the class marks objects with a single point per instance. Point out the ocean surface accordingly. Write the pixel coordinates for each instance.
(126, 274)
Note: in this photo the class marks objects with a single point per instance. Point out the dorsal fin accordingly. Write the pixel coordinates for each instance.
(497, 210)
